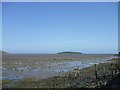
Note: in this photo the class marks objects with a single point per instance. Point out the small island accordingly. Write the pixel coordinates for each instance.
(67, 52)
(3, 52)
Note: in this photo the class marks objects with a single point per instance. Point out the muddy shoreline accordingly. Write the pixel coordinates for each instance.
(44, 66)
(84, 78)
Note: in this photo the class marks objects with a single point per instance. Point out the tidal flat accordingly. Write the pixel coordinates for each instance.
(54, 71)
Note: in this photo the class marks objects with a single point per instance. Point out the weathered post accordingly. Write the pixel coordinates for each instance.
(103, 69)
(104, 72)
(111, 68)
(117, 69)
(77, 72)
(95, 72)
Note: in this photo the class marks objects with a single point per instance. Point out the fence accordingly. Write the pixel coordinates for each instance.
(98, 73)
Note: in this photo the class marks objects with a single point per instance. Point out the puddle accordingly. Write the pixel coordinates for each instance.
(37, 69)
(1, 68)
(22, 68)
(67, 66)
(13, 78)
(63, 66)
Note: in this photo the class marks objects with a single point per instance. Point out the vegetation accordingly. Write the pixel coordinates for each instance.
(96, 76)
(2, 51)
(67, 52)
(85, 79)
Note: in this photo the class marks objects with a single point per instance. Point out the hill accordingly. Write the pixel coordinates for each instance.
(3, 52)
(69, 52)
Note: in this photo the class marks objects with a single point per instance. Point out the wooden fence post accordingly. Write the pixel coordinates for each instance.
(104, 72)
(77, 72)
(111, 68)
(95, 72)
(104, 69)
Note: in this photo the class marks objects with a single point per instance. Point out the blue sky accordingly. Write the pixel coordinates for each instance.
(54, 27)
(0, 26)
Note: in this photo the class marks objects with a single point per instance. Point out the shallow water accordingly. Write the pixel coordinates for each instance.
(20, 69)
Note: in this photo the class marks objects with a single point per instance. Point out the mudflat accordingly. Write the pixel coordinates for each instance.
(41, 67)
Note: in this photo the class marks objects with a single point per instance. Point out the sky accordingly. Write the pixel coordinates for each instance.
(60, 0)
(119, 27)
(0, 26)
(90, 28)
